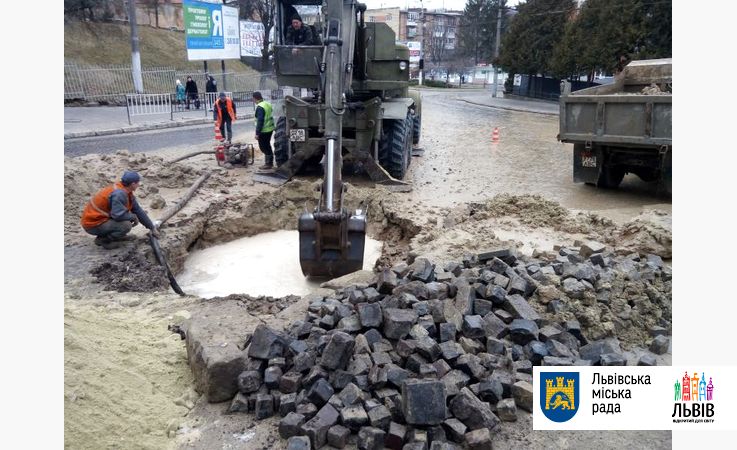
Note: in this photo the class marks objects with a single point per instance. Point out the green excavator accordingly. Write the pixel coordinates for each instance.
(357, 108)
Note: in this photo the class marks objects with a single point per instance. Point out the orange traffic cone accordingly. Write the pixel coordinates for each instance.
(218, 136)
(495, 135)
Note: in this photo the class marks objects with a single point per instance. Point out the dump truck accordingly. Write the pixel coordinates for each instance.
(622, 127)
(356, 107)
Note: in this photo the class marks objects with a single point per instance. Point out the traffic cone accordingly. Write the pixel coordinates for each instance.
(495, 135)
(218, 136)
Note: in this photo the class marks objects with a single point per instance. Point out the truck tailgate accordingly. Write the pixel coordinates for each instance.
(617, 119)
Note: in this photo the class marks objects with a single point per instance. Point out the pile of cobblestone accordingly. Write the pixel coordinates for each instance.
(426, 357)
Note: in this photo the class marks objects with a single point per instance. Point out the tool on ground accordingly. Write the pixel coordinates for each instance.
(357, 109)
(236, 154)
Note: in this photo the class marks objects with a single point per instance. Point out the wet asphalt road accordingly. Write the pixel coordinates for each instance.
(460, 163)
(151, 141)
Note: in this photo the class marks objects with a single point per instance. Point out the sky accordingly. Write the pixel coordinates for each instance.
(455, 5)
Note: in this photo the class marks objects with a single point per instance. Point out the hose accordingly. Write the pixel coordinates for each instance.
(162, 260)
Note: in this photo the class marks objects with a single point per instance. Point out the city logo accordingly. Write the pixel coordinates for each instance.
(693, 389)
(559, 395)
(693, 397)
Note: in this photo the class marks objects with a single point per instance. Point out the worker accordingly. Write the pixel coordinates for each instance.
(211, 89)
(113, 211)
(264, 129)
(224, 116)
(299, 33)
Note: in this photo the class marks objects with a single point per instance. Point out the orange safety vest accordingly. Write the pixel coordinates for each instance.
(229, 105)
(97, 210)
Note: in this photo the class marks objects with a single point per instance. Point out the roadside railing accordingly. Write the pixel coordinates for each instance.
(148, 105)
(138, 105)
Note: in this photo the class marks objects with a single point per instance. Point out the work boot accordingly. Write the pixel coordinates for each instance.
(111, 245)
(99, 240)
(126, 238)
(266, 166)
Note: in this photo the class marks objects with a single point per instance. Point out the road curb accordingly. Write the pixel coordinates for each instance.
(144, 127)
(508, 108)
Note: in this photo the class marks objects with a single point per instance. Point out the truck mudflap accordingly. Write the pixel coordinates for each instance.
(331, 244)
(586, 163)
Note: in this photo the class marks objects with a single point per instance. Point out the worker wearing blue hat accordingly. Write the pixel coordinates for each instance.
(113, 211)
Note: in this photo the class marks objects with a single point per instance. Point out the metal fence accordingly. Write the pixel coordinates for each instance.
(166, 103)
(544, 87)
(148, 105)
(112, 83)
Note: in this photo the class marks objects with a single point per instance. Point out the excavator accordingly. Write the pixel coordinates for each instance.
(357, 109)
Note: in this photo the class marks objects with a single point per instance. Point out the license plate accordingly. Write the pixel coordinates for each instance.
(588, 161)
(297, 135)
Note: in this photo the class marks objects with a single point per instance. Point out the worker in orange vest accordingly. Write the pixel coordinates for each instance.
(113, 211)
(224, 115)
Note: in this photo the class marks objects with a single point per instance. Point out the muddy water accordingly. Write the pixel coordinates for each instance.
(265, 264)
(461, 164)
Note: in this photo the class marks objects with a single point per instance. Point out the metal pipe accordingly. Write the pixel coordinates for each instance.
(329, 175)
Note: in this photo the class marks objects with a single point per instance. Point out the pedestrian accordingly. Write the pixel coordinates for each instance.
(180, 92)
(298, 33)
(113, 211)
(224, 116)
(264, 129)
(190, 91)
(211, 91)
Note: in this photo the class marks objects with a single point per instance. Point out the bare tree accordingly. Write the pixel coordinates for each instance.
(153, 5)
(437, 43)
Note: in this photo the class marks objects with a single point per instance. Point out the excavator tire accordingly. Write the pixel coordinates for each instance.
(416, 128)
(409, 126)
(395, 146)
(281, 145)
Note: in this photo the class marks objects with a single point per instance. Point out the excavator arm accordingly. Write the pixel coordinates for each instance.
(331, 239)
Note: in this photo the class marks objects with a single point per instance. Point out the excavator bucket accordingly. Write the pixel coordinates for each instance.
(331, 244)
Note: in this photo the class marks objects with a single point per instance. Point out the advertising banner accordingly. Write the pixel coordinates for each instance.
(211, 30)
(252, 38)
(414, 52)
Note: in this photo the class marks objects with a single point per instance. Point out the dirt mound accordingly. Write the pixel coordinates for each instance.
(132, 272)
(644, 236)
(260, 305)
(84, 176)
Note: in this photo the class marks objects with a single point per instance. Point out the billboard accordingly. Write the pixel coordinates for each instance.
(414, 52)
(252, 38)
(211, 31)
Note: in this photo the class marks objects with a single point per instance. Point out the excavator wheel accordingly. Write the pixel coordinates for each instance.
(281, 145)
(395, 147)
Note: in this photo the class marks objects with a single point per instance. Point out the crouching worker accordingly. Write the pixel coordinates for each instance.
(113, 211)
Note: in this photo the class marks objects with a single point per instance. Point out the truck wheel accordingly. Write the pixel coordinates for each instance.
(393, 147)
(416, 128)
(610, 177)
(281, 145)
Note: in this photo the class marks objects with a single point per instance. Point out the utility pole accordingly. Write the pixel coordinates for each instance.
(422, 40)
(135, 52)
(496, 47)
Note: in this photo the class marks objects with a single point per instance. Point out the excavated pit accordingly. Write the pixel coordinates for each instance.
(264, 264)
